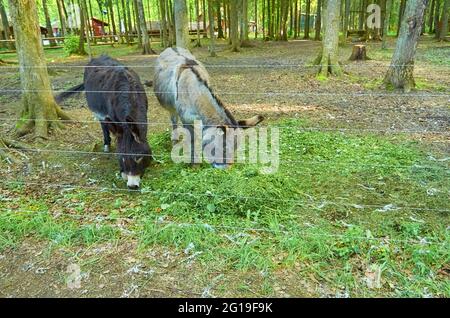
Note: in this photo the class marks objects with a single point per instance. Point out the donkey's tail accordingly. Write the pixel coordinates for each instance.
(71, 91)
(250, 122)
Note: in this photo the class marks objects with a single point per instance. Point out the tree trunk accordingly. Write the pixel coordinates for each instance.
(359, 53)
(171, 23)
(164, 39)
(284, 16)
(81, 50)
(220, 34)
(328, 59)
(5, 25)
(318, 20)
(136, 24)
(113, 21)
(430, 17)
(387, 18)
(129, 21)
(256, 19)
(212, 47)
(181, 24)
(346, 18)
(444, 21)
(62, 18)
(125, 24)
(39, 107)
(400, 15)
(197, 19)
(146, 45)
(400, 73)
(245, 21)
(437, 11)
(308, 12)
(234, 26)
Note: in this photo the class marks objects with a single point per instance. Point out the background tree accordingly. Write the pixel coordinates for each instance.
(48, 24)
(5, 24)
(197, 14)
(234, 26)
(444, 21)
(146, 45)
(62, 17)
(81, 50)
(430, 17)
(318, 20)
(40, 110)
(328, 58)
(212, 49)
(437, 11)
(387, 18)
(401, 70)
(307, 14)
(181, 23)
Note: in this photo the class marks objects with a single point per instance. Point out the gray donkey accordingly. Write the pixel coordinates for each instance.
(181, 84)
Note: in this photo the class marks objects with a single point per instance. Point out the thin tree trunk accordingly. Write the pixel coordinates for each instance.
(220, 34)
(62, 18)
(113, 21)
(48, 24)
(431, 16)
(346, 18)
(295, 19)
(212, 47)
(245, 21)
(40, 110)
(81, 50)
(284, 16)
(181, 24)
(387, 18)
(437, 11)
(444, 26)
(256, 19)
(146, 45)
(197, 13)
(308, 12)
(204, 18)
(318, 20)
(400, 73)
(163, 24)
(328, 59)
(234, 26)
(5, 24)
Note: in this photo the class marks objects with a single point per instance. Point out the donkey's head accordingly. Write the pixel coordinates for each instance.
(134, 151)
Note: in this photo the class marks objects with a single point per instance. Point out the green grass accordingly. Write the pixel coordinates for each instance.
(327, 209)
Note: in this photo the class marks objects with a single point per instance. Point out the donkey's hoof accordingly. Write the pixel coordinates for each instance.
(105, 148)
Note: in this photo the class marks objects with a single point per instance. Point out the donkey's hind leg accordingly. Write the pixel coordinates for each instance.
(106, 137)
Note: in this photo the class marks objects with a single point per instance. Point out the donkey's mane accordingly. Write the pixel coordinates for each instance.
(190, 64)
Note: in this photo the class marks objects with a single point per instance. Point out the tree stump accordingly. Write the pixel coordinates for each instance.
(359, 53)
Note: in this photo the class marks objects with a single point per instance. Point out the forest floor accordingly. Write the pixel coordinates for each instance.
(358, 207)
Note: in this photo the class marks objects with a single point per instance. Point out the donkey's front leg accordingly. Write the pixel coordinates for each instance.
(106, 137)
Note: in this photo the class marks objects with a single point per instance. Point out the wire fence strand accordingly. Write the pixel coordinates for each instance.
(164, 157)
(296, 94)
(297, 128)
(318, 205)
(160, 221)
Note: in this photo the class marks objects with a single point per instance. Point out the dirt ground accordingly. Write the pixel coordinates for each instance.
(274, 79)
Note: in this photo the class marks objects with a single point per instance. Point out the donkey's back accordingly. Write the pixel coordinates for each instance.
(182, 86)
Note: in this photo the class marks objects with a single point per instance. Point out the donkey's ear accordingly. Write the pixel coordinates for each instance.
(132, 125)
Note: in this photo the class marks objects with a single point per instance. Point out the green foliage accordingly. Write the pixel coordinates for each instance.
(71, 44)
